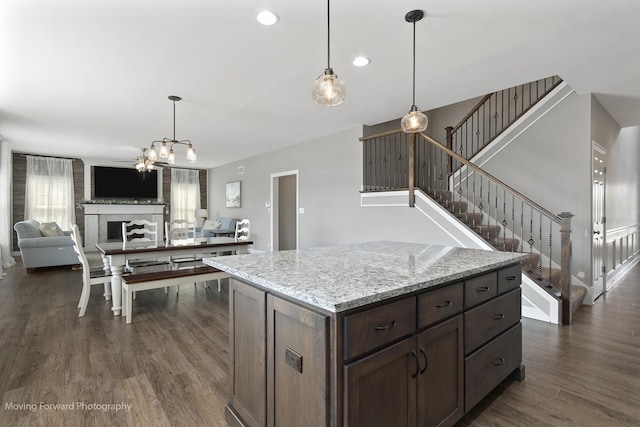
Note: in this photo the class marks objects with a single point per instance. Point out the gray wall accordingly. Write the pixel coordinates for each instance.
(623, 174)
(330, 176)
(551, 165)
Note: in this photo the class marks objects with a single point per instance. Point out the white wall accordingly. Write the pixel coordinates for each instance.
(330, 176)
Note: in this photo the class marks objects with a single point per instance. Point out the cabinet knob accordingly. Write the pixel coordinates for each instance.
(511, 278)
(499, 361)
(498, 316)
(444, 304)
(393, 324)
(482, 289)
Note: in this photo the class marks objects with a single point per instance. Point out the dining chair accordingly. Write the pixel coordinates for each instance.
(91, 275)
(180, 232)
(138, 231)
(242, 229)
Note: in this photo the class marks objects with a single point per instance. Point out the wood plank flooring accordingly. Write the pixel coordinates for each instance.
(171, 364)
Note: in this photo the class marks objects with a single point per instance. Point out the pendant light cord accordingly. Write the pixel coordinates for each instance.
(174, 119)
(328, 36)
(414, 63)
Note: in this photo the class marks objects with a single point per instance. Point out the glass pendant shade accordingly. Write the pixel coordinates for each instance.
(328, 89)
(415, 121)
(153, 155)
(163, 151)
(171, 158)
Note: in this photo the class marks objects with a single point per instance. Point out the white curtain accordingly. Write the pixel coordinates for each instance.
(49, 191)
(185, 194)
(6, 230)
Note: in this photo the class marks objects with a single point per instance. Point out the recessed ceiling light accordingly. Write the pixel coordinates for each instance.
(266, 17)
(361, 61)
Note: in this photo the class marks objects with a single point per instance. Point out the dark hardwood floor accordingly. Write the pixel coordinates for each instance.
(171, 363)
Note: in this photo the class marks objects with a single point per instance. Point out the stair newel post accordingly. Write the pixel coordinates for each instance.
(412, 169)
(449, 130)
(565, 265)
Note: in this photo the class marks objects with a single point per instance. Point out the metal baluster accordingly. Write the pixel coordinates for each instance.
(504, 219)
(495, 239)
(480, 205)
(489, 206)
(531, 241)
(522, 226)
(550, 251)
(540, 262)
(513, 221)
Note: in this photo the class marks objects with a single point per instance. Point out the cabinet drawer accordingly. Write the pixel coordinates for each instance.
(378, 326)
(480, 289)
(490, 319)
(490, 365)
(509, 278)
(439, 304)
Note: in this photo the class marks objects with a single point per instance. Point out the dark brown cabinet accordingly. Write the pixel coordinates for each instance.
(422, 359)
(297, 374)
(416, 382)
(247, 351)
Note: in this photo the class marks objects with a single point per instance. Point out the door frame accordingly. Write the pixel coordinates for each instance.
(274, 177)
(595, 147)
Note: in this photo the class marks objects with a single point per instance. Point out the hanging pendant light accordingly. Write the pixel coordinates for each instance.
(167, 152)
(415, 121)
(328, 89)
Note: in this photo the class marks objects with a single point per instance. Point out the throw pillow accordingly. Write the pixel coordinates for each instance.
(50, 229)
(211, 225)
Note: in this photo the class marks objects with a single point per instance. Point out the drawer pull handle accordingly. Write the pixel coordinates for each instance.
(415, 357)
(444, 304)
(499, 361)
(512, 278)
(393, 324)
(482, 289)
(426, 361)
(498, 316)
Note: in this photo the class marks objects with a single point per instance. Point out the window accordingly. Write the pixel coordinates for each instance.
(49, 195)
(185, 194)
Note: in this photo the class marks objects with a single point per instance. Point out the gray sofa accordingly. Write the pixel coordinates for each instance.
(40, 251)
(220, 227)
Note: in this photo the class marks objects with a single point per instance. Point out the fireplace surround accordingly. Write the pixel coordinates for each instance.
(97, 217)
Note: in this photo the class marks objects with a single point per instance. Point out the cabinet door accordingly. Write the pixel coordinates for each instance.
(247, 336)
(297, 365)
(380, 390)
(441, 382)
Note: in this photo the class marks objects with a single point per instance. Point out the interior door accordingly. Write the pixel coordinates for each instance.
(283, 207)
(599, 170)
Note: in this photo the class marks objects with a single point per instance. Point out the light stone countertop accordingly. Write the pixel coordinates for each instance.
(338, 278)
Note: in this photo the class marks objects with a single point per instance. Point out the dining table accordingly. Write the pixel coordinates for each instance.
(116, 256)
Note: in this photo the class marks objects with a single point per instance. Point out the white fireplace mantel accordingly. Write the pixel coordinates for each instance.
(97, 215)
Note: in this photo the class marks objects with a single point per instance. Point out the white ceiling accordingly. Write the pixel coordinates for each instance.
(90, 78)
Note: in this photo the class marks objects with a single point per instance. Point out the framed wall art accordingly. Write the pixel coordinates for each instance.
(233, 194)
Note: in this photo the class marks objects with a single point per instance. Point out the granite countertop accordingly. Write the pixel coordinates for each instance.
(338, 278)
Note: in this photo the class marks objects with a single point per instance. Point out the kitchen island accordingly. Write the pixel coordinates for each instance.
(372, 334)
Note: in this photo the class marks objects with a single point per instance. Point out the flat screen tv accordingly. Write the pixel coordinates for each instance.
(123, 183)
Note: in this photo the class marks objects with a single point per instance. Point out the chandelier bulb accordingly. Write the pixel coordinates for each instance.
(171, 158)
(153, 155)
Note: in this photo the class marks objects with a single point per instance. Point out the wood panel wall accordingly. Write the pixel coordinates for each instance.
(18, 196)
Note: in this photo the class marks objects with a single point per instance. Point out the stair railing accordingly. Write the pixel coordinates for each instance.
(503, 216)
(493, 114)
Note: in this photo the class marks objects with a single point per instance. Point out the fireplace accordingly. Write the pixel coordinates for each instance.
(114, 231)
(103, 221)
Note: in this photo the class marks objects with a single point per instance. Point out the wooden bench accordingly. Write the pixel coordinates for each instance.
(159, 279)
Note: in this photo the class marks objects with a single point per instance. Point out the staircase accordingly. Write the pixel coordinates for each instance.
(547, 277)
(503, 218)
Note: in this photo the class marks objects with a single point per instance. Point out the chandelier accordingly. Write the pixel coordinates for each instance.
(144, 162)
(166, 145)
